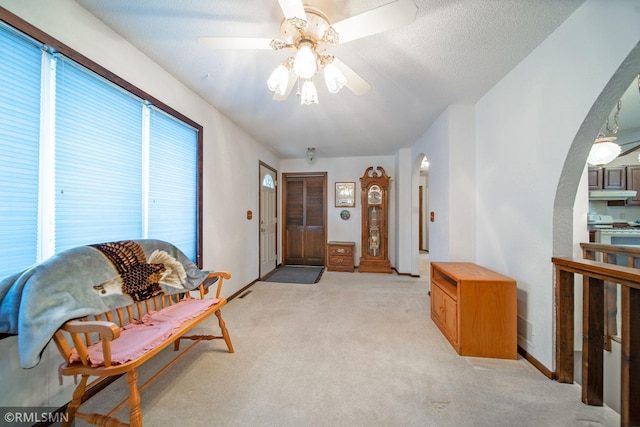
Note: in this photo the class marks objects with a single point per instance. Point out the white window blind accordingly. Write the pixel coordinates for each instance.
(98, 132)
(173, 175)
(84, 161)
(20, 64)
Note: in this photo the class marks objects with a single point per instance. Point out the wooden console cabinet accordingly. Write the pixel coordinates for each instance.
(475, 308)
(340, 256)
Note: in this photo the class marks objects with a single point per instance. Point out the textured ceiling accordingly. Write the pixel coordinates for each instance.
(452, 53)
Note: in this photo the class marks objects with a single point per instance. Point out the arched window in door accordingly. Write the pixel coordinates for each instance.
(268, 182)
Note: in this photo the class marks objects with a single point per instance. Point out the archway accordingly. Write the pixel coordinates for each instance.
(576, 158)
(565, 201)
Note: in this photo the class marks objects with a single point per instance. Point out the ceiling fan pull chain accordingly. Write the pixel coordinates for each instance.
(615, 119)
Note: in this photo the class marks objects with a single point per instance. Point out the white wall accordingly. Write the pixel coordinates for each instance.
(230, 155)
(449, 146)
(433, 143)
(496, 171)
(525, 127)
(347, 169)
(406, 239)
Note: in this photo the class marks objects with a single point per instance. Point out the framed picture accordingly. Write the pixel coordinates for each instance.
(345, 194)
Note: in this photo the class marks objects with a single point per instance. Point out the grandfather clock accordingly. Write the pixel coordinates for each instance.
(375, 190)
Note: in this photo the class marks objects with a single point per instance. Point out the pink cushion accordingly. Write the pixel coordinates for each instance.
(184, 310)
(138, 338)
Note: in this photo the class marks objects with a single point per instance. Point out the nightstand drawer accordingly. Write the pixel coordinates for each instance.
(340, 250)
(340, 261)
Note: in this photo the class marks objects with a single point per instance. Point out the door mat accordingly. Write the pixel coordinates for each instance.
(302, 274)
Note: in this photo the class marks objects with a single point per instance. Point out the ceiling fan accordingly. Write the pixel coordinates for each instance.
(308, 32)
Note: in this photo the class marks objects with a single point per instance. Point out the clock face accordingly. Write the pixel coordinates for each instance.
(374, 196)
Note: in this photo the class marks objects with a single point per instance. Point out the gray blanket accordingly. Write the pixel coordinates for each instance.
(88, 280)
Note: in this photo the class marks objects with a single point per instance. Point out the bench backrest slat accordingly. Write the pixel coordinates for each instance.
(130, 313)
(120, 317)
(139, 310)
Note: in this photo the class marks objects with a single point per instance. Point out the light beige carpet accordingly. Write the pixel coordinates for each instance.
(355, 349)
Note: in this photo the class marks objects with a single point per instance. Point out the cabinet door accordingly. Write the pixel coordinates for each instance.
(444, 312)
(595, 178)
(633, 183)
(451, 317)
(615, 178)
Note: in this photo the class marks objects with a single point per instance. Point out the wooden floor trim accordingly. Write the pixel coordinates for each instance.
(536, 363)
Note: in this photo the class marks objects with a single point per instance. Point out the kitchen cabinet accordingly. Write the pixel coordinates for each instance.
(595, 178)
(475, 309)
(341, 256)
(633, 183)
(616, 178)
(612, 178)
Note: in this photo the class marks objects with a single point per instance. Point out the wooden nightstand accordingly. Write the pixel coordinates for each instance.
(340, 256)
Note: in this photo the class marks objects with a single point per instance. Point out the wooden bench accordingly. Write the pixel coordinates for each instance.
(103, 331)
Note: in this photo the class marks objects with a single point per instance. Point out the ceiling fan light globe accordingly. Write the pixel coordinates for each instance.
(279, 80)
(304, 64)
(308, 94)
(603, 152)
(334, 78)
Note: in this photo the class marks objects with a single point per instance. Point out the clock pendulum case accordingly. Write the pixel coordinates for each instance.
(375, 251)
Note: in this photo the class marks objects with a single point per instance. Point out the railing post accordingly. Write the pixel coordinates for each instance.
(592, 340)
(628, 279)
(564, 326)
(630, 363)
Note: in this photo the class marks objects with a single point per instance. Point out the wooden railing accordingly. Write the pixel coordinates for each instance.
(595, 274)
(611, 254)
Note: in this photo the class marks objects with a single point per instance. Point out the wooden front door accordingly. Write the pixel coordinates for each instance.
(304, 202)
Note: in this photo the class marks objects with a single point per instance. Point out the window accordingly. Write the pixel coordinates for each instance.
(20, 69)
(267, 182)
(98, 160)
(83, 160)
(172, 154)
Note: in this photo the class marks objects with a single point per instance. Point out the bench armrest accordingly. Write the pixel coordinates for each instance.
(107, 330)
(221, 275)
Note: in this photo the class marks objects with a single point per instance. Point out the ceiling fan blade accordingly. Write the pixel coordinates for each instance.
(291, 83)
(355, 83)
(234, 42)
(378, 20)
(293, 9)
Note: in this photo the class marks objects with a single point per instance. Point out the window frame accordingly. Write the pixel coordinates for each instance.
(44, 38)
